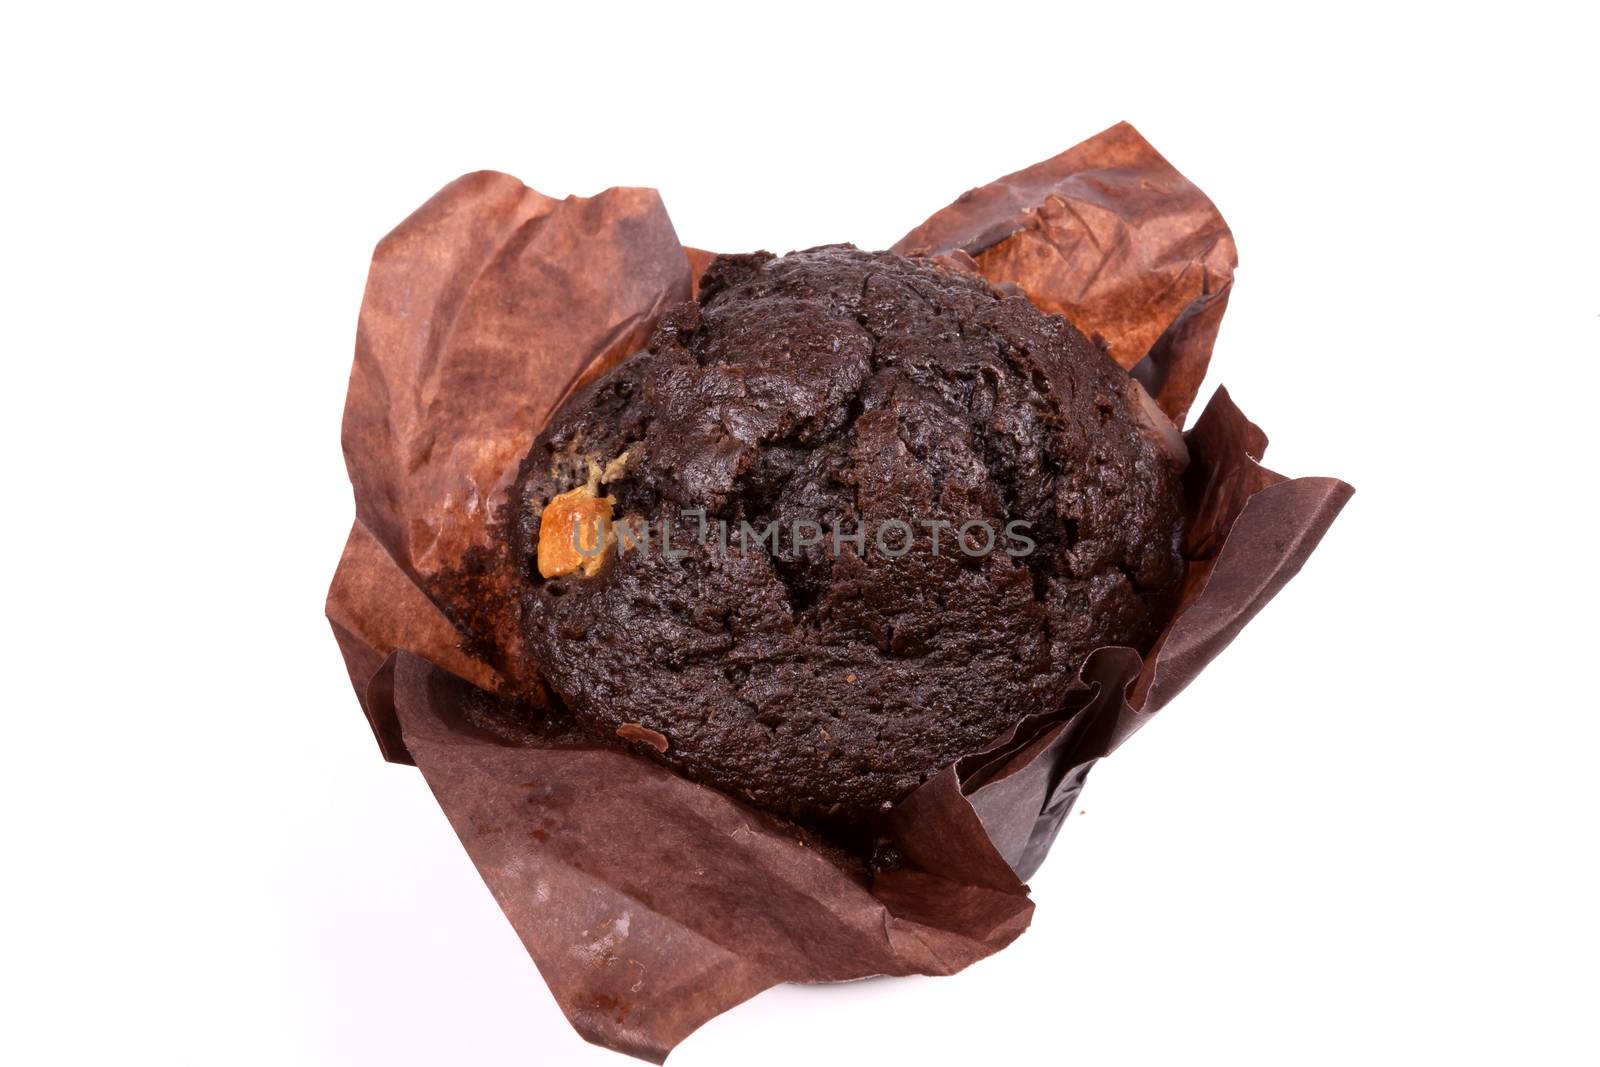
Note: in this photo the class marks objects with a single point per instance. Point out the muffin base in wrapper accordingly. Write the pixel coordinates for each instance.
(650, 903)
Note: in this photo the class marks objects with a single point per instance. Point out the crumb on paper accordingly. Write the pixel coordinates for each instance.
(632, 731)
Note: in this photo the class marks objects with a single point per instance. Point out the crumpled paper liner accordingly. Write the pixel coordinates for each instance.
(649, 903)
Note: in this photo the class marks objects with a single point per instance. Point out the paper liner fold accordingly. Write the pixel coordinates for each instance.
(480, 310)
(650, 903)
(1110, 235)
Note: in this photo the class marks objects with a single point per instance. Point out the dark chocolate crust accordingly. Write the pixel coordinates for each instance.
(847, 389)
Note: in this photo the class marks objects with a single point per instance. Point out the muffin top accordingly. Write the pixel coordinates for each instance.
(848, 518)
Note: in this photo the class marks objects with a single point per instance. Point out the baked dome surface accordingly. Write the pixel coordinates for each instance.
(854, 391)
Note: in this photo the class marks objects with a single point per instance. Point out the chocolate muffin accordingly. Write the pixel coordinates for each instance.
(850, 516)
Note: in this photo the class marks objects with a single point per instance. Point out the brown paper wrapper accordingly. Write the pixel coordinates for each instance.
(649, 903)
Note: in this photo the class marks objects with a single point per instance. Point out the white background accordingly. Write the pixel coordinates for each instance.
(1365, 835)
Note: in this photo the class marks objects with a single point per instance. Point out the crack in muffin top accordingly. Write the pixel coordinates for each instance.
(846, 391)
